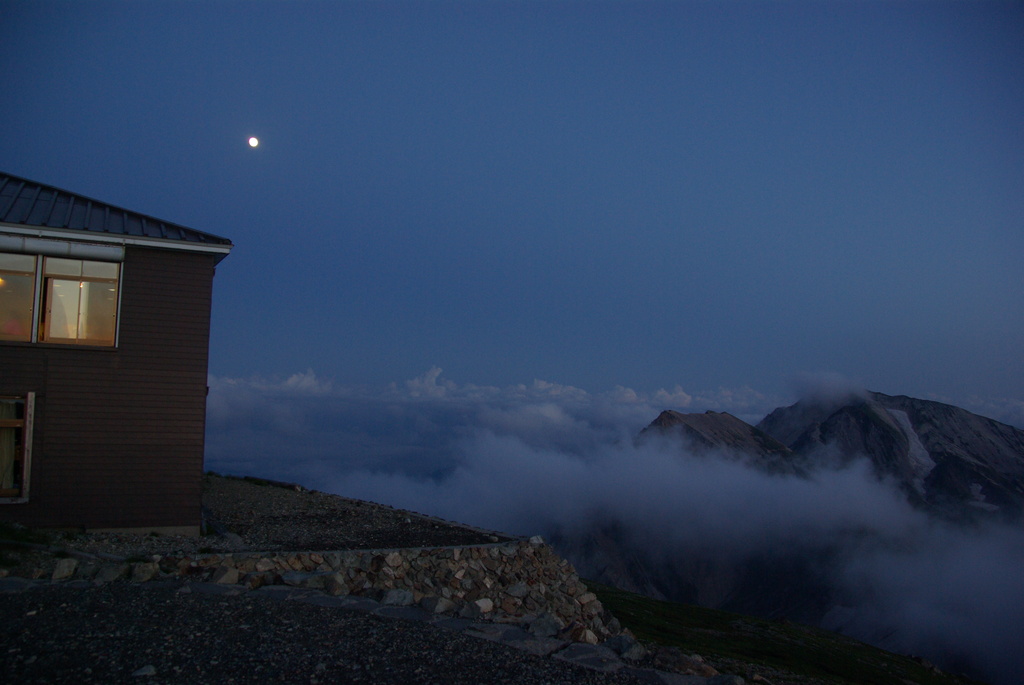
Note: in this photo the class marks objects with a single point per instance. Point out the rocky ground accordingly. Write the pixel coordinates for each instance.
(173, 631)
(251, 514)
(274, 516)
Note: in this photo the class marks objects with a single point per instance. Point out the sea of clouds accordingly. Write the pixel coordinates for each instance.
(540, 458)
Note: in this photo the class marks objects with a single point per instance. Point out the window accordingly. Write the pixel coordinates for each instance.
(15, 446)
(17, 296)
(81, 301)
(58, 300)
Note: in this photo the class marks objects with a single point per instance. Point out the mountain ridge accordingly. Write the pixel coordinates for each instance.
(948, 460)
(856, 502)
(724, 433)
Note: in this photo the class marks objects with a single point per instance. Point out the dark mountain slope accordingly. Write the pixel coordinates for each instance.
(946, 459)
(832, 547)
(767, 651)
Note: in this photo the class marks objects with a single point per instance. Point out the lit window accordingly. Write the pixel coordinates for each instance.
(80, 301)
(58, 300)
(17, 295)
(15, 446)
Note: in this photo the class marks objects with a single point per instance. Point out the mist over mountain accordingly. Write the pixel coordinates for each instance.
(826, 541)
(946, 460)
(962, 475)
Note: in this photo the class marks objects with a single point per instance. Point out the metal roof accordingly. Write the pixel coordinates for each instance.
(27, 203)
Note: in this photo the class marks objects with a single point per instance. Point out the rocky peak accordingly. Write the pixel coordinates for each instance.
(946, 459)
(722, 432)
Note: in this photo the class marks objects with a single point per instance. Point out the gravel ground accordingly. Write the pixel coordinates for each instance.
(160, 632)
(271, 517)
(157, 633)
(267, 516)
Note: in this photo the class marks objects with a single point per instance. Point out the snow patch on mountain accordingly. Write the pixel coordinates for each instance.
(921, 463)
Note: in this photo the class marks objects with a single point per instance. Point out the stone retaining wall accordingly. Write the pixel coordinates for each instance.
(520, 581)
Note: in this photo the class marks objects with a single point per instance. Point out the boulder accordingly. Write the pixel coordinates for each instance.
(545, 625)
(144, 572)
(437, 605)
(336, 584)
(265, 565)
(399, 598)
(111, 572)
(673, 659)
(225, 575)
(627, 647)
(64, 569)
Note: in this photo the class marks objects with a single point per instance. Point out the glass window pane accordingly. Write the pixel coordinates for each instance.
(82, 308)
(100, 270)
(62, 267)
(98, 310)
(62, 309)
(24, 263)
(16, 294)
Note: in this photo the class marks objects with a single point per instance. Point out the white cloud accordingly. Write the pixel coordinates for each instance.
(949, 591)
(282, 427)
(537, 457)
(308, 383)
(427, 385)
(677, 397)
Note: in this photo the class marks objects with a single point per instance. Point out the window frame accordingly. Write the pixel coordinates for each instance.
(42, 304)
(48, 293)
(20, 495)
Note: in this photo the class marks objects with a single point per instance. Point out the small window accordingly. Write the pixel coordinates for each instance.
(17, 295)
(15, 446)
(80, 302)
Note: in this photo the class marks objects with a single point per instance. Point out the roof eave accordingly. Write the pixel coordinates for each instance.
(76, 235)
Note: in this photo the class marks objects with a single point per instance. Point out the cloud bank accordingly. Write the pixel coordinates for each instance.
(546, 458)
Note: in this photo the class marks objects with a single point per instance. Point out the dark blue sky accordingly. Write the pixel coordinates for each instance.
(636, 194)
(712, 198)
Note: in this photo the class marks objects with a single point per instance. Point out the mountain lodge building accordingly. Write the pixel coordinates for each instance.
(104, 343)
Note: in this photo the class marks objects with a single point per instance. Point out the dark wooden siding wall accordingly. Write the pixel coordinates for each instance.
(119, 432)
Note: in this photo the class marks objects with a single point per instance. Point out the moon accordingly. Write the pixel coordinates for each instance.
(254, 141)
